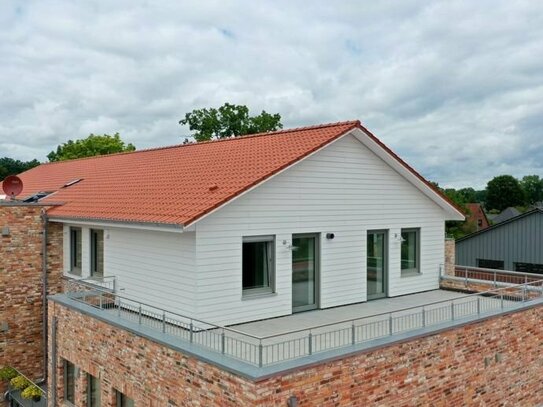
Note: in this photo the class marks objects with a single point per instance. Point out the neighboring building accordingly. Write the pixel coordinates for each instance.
(477, 216)
(515, 244)
(253, 227)
(504, 215)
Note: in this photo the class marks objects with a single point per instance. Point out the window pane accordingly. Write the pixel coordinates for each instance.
(123, 401)
(490, 264)
(528, 268)
(97, 252)
(257, 264)
(94, 399)
(69, 381)
(410, 261)
(75, 250)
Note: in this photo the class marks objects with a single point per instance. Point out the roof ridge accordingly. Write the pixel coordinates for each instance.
(354, 123)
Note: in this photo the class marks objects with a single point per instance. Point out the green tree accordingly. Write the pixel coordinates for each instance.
(9, 166)
(504, 191)
(229, 121)
(91, 146)
(532, 186)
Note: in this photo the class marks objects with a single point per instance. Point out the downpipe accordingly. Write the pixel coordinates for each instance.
(45, 223)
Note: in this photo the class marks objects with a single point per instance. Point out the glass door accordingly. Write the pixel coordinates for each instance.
(377, 264)
(304, 272)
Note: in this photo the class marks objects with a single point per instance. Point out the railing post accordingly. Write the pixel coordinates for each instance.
(163, 321)
(495, 282)
(452, 310)
(139, 315)
(223, 342)
(101, 301)
(310, 343)
(390, 327)
(191, 334)
(423, 317)
(478, 306)
(260, 353)
(523, 292)
(501, 299)
(353, 334)
(119, 309)
(466, 277)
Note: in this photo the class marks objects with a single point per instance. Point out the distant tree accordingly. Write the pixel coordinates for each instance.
(91, 146)
(504, 191)
(480, 196)
(468, 194)
(228, 121)
(9, 166)
(532, 186)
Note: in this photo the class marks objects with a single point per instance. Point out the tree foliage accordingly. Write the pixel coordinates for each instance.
(532, 186)
(9, 166)
(229, 121)
(91, 146)
(504, 191)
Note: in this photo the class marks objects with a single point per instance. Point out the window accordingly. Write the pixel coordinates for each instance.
(93, 391)
(479, 222)
(69, 382)
(97, 252)
(75, 251)
(258, 264)
(410, 251)
(529, 268)
(122, 400)
(490, 264)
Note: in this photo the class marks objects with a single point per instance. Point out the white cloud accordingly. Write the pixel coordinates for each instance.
(455, 87)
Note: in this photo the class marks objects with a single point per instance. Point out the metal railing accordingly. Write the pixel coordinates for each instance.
(494, 276)
(104, 282)
(272, 349)
(15, 395)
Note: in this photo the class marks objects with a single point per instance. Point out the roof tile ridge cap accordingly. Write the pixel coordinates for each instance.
(353, 123)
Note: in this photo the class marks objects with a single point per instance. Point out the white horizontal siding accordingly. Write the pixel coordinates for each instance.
(157, 268)
(344, 189)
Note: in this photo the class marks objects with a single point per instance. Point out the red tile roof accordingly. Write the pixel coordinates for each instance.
(178, 185)
(173, 185)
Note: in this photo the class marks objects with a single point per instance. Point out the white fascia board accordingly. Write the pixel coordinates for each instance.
(372, 145)
(157, 227)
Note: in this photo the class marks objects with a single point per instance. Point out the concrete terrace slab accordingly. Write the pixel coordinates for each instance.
(310, 319)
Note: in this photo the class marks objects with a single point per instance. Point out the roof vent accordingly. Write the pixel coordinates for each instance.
(213, 187)
(72, 182)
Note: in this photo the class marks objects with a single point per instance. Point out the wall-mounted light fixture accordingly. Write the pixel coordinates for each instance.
(330, 236)
(399, 237)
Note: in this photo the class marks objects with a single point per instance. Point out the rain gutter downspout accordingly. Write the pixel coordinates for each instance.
(45, 221)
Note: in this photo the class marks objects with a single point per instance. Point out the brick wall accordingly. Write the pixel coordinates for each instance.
(450, 256)
(497, 361)
(21, 285)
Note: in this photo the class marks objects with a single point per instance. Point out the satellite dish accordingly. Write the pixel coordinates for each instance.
(12, 186)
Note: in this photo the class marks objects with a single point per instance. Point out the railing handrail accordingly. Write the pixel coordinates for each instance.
(315, 327)
(451, 300)
(498, 271)
(162, 310)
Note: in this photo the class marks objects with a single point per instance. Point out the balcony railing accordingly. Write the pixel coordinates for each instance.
(262, 351)
(496, 278)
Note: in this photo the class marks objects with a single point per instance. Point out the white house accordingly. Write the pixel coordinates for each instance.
(251, 227)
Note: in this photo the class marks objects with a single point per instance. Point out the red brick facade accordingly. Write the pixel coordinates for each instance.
(21, 343)
(492, 362)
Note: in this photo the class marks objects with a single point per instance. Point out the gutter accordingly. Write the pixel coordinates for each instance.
(44, 290)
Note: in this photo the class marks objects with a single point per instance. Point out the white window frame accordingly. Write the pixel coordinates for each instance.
(270, 288)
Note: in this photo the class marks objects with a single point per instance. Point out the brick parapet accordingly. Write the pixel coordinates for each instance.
(491, 362)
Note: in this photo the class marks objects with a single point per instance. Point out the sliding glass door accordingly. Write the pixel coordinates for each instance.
(377, 264)
(304, 272)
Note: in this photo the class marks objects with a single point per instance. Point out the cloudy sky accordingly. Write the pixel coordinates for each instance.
(455, 87)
